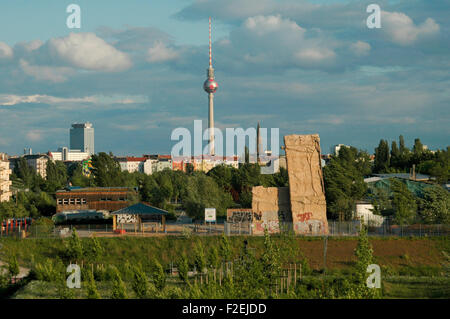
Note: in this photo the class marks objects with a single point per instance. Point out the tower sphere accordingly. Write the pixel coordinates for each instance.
(210, 86)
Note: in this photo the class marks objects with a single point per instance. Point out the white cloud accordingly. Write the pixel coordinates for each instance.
(6, 52)
(12, 99)
(87, 51)
(274, 41)
(30, 46)
(34, 135)
(328, 120)
(161, 53)
(315, 55)
(46, 73)
(360, 48)
(262, 25)
(401, 29)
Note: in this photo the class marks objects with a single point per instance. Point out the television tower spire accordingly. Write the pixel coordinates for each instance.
(210, 86)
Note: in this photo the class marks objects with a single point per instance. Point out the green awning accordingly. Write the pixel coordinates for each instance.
(140, 209)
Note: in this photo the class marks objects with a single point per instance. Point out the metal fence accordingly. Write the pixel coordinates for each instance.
(336, 228)
(348, 228)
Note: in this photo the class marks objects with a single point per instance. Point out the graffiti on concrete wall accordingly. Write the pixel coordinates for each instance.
(242, 216)
(272, 226)
(127, 219)
(304, 217)
(309, 227)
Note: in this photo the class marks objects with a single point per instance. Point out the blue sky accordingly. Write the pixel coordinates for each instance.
(135, 70)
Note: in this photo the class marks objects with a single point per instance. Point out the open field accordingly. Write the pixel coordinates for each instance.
(391, 252)
(411, 267)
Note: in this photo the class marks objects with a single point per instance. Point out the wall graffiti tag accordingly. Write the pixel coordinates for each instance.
(126, 219)
(304, 217)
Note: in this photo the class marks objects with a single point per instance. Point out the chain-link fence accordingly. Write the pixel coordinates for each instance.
(345, 228)
(335, 228)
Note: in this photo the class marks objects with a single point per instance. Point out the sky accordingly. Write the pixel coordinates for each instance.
(135, 69)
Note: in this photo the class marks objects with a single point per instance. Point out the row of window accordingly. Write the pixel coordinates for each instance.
(71, 201)
(80, 201)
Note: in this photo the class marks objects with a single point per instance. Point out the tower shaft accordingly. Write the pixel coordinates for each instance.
(210, 86)
(211, 123)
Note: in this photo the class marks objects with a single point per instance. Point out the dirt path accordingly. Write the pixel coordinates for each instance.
(23, 272)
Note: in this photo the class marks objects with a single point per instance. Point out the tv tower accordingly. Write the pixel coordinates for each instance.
(210, 86)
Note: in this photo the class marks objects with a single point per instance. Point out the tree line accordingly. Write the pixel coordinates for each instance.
(344, 183)
(227, 187)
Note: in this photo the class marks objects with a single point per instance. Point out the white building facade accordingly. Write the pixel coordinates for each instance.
(136, 164)
(66, 155)
(364, 212)
(5, 183)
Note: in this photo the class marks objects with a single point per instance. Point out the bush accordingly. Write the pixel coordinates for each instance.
(140, 282)
(158, 275)
(91, 288)
(183, 268)
(119, 290)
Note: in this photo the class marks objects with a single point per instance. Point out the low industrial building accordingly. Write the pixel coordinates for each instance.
(98, 198)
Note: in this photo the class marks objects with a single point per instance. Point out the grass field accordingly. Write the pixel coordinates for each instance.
(411, 267)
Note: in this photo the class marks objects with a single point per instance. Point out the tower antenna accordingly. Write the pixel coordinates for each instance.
(210, 44)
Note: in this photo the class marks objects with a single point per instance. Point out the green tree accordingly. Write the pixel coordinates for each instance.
(344, 182)
(91, 287)
(248, 275)
(93, 249)
(140, 282)
(225, 249)
(418, 147)
(270, 261)
(158, 275)
(201, 192)
(119, 290)
(403, 203)
(25, 172)
(395, 155)
(364, 255)
(183, 268)
(74, 247)
(56, 176)
(106, 171)
(13, 267)
(213, 257)
(189, 168)
(405, 153)
(246, 155)
(199, 257)
(77, 178)
(381, 164)
(435, 206)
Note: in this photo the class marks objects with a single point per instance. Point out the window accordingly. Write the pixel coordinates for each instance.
(72, 201)
(65, 201)
(60, 201)
(78, 201)
(83, 201)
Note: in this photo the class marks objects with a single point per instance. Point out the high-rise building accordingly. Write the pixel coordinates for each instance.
(210, 86)
(5, 183)
(82, 137)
